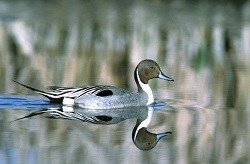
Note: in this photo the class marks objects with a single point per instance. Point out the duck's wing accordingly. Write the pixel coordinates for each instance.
(58, 94)
(98, 90)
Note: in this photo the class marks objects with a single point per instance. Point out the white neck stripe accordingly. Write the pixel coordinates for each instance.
(146, 88)
(145, 122)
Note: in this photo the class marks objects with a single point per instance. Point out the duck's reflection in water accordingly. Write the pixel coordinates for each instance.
(142, 138)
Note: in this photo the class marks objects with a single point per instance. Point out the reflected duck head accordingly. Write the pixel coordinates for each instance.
(142, 138)
(146, 140)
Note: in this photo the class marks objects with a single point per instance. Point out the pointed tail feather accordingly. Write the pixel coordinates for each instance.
(52, 97)
(31, 115)
(33, 89)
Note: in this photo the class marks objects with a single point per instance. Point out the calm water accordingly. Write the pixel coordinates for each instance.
(204, 46)
(198, 134)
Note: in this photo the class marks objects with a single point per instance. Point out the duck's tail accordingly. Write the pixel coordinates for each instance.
(55, 98)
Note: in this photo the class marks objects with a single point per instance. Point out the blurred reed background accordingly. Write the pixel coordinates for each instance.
(203, 45)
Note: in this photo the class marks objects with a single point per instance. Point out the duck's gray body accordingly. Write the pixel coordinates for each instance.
(105, 96)
(110, 97)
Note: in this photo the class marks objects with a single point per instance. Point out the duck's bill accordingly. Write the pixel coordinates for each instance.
(162, 135)
(164, 77)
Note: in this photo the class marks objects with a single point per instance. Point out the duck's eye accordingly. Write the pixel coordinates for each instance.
(152, 67)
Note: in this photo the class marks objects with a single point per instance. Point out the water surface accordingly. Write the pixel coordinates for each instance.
(199, 134)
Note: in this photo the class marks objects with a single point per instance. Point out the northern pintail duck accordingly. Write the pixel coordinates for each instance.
(105, 96)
